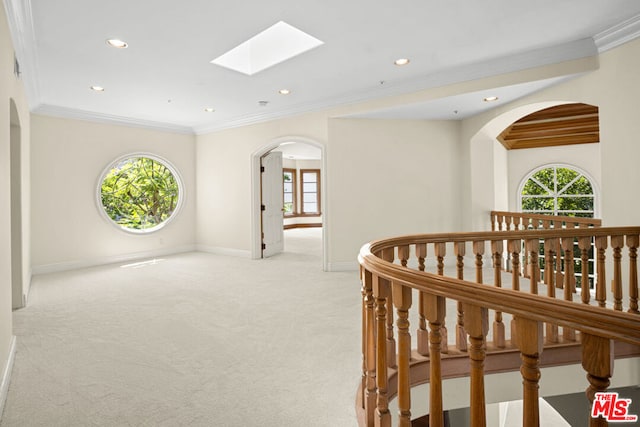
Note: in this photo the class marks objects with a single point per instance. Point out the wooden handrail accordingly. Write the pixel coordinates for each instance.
(503, 220)
(388, 284)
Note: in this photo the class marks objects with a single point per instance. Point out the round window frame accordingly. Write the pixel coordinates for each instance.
(176, 174)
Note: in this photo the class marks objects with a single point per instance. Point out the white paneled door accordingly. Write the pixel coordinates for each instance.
(271, 204)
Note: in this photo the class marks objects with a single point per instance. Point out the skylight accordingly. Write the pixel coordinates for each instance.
(276, 44)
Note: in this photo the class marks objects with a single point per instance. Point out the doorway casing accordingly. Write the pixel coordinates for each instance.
(256, 230)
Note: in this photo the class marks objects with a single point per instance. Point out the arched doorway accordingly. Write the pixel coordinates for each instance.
(280, 145)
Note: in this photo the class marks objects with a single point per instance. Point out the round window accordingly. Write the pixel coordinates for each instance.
(140, 193)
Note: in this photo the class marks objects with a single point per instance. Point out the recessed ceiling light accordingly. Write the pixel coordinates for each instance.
(284, 91)
(97, 88)
(490, 99)
(401, 61)
(209, 110)
(119, 44)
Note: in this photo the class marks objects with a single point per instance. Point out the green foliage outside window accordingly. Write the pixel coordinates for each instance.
(558, 191)
(139, 193)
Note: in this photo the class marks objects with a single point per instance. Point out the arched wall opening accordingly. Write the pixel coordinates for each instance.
(256, 227)
(18, 291)
(495, 172)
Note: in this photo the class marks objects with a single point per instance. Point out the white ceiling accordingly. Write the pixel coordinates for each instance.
(165, 78)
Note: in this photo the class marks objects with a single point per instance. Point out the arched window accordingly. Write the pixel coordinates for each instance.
(558, 190)
(140, 193)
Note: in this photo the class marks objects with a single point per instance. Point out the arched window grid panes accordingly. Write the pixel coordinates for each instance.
(140, 193)
(561, 190)
(558, 190)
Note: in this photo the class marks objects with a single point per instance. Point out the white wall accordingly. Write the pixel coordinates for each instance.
(11, 88)
(68, 157)
(586, 157)
(614, 88)
(388, 178)
(224, 176)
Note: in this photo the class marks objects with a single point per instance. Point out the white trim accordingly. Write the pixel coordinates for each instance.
(217, 250)
(578, 49)
(256, 241)
(182, 194)
(592, 181)
(20, 21)
(618, 34)
(6, 374)
(94, 262)
(90, 116)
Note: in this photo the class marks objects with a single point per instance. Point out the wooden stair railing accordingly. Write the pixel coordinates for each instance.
(391, 278)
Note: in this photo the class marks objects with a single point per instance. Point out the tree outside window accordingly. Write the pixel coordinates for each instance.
(289, 191)
(140, 193)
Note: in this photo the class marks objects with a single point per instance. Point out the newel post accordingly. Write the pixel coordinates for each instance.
(597, 360)
(530, 343)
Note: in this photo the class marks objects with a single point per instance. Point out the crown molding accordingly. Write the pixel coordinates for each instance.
(492, 67)
(618, 34)
(20, 21)
(71, 113)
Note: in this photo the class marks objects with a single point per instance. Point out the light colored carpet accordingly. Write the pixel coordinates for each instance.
(191, 340)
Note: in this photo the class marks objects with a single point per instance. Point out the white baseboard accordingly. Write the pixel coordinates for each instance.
(94, 262)
(216, 250)
(6, 375)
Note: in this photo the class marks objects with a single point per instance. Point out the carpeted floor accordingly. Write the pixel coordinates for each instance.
(191, 340)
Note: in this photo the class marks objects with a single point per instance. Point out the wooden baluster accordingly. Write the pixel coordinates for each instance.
(423, 334)
(493, 221)
(381, 294)
(617, 242)
(584, 243)
(601, 282)
(597, 360)
(500, 221)
(435, 312)
(440, 252)
(526, 261)
(567, 245)
(509, 222)
(387, 255)
(461, 335)
(369, 352)
(530, 342)
(403, 254)
(402, 302)
(551, 247)
(476, 321)
(514, 247)
(498, 326)
(478, 249)
(533, 246)
(632, 243)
